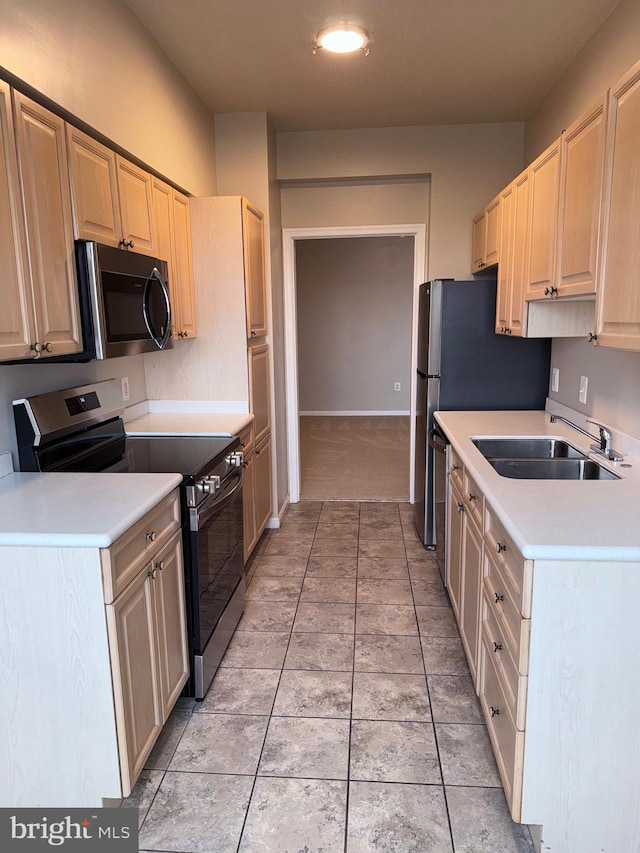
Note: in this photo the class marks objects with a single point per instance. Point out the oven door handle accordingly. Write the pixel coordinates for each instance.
(200, 516)
(160, 340)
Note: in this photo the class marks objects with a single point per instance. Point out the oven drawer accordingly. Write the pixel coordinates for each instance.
(121, 562)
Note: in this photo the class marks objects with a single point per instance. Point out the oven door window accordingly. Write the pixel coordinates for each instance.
(218, 554)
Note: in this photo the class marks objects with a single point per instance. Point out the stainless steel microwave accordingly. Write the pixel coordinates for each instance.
(124, 302)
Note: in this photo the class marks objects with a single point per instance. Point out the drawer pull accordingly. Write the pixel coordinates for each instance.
(498, 597)
(151, 537)
(472, 497)
(455, 468)
(495, 712)
(500, 548)
(152, 573)
(160, 565)
(460, 507)
(497, 647)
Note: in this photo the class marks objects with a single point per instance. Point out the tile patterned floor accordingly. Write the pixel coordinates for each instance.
(343, 718)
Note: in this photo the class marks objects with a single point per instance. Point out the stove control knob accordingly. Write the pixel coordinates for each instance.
(210, 484)
(236, 459)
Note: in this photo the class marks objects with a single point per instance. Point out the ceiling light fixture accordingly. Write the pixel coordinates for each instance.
(344, 38)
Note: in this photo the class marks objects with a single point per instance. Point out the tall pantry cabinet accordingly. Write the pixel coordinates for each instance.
(227, 235)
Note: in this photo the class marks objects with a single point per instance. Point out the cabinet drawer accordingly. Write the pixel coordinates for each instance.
(455, 468)
(518, 572)
(473, 499)
(122, 561)
(246, 439)
(506, 612)
(507, 740)
(514, 685)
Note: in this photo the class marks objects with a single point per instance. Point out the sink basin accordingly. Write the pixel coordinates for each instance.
(526, 448)
(552, 469)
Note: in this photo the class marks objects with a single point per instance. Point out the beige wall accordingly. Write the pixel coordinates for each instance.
(354, 310)
(614, 390)
(613, 49)
(468, 164)
(98, 63)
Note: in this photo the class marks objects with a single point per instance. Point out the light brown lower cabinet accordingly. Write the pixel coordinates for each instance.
(99, 636)
(147, 633)
(256, 492)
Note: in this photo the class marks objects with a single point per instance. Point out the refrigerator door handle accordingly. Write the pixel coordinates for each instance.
(437, 440)
(421, 374)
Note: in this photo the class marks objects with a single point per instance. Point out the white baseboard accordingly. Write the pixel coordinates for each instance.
(276, 520)
(354, 413)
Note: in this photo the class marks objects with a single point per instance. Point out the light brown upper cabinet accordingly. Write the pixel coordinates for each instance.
(253, 241)
(511, 309)
(94, 189)
(42, 159)
(581, 181)
(17, 321)
(486, 237)
(112, 197)
(618, 311)
(173, 243)
(544, 189)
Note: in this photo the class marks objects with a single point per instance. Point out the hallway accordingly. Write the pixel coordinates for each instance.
(343, 717)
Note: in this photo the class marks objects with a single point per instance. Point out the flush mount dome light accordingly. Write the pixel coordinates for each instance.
(344, 38)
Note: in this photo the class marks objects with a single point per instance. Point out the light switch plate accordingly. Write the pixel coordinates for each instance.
(582, 393)
(555, 379)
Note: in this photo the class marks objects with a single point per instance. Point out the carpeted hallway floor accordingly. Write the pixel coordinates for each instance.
(354, 458)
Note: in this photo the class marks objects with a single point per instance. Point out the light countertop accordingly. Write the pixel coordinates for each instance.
(552, 519)
(189, 423)
(76, 510)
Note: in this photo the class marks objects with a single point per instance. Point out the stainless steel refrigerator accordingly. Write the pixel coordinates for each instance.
(464, 365)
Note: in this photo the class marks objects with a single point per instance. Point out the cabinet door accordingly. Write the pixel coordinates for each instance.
(618, 320)
(17, 331)
(544, 178)
(256, 298)
(492, 232)
(94, 189)
(249, 505)
(136, 206)
(47, 204)
(262, 463)
(471, 589)
(259, 398)
(582, 163)
(134, 667)
(455, 516)
(168, 588)
(505, 267)
(518, 308)
(183, 265)
(477, 243)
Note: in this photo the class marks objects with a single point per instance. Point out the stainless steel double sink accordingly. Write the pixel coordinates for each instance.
(540, 459)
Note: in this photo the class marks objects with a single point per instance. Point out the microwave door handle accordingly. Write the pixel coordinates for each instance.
(159, 340)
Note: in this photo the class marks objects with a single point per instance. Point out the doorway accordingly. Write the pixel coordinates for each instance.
(293, 364)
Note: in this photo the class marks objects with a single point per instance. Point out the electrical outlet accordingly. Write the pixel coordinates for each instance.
(582, 393)
(125, 388)
(555, 379)
(397, 386)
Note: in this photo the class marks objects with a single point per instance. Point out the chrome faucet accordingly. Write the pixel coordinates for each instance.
(605, 442)
(604, 438)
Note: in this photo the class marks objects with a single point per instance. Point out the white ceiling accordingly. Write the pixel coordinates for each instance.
(430, 62)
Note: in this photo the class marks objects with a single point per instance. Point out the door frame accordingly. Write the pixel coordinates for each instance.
(289, 237)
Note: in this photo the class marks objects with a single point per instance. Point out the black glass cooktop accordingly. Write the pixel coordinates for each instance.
(191, 456)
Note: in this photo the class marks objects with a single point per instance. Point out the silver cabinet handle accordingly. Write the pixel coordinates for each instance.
(497, 647)
(495, 712)
(472, 497)
(498, 597)
(47, 347)
(152, 574)
(159, 565)
(591, 337)
(36, 347)
(460, 507)
(500, 548)
(151, 537)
